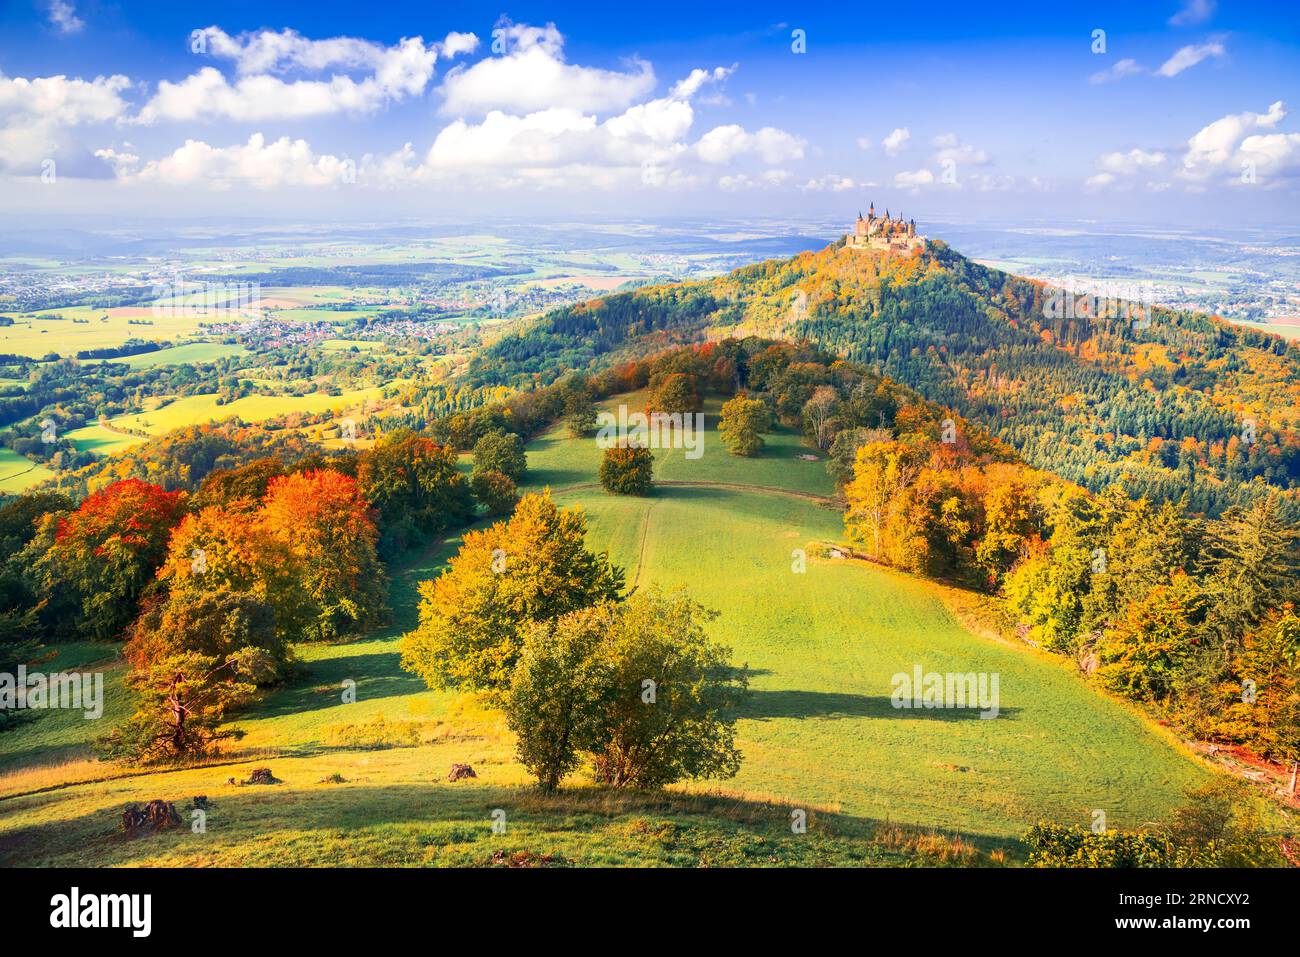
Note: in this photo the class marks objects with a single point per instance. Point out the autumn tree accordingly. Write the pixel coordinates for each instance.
(216, 624)
(241, 488)
(533, 567)
(627, 469)
(677, 392)
(882, 470)
(1144, 656)
(743, 422)
(1010, 519)
(182, 703)
(495, 492)
(106, 552)
(416, 488)
(323, 520)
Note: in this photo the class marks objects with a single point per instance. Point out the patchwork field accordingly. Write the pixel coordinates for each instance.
(819, 731)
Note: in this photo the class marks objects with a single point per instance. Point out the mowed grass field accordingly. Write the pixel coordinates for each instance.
(818, 733)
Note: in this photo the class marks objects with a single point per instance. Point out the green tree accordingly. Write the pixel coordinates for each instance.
(669, 705)
(556, 693)
(579, 413)
(627, 470)
(416, 487)
(533, 567)
(501, 452)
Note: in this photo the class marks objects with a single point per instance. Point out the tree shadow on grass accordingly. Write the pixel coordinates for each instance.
(666, 826)
(766, 705)
(378, 675)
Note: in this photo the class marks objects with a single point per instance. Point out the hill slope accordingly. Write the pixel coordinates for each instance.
(819, 732)
(1182, 404)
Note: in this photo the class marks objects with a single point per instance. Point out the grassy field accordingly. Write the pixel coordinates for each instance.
(102, 441)
(18, 473)
(882, 786)
(177, 355)
(194, 409)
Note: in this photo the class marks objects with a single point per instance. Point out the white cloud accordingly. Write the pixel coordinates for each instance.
(63, 17)
(768, 179)
(531, 74)
(395, 73)
(1120, 70)
(686, 88)
(722, 144)
(35, 115)
(1120, 167)
(950, 149)
(1217, 154)
(1192, 13)
(1185, 58)
(1133, 161)
(913, 179)
(896, 141)
(257, 163)
(831, 183)
(1214, 148)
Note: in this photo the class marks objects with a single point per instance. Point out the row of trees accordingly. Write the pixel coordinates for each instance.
(210, 589)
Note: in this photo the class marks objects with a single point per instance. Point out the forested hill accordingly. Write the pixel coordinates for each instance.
(1170, 403)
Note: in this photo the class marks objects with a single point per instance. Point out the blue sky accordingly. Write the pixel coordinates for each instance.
(1175, 112)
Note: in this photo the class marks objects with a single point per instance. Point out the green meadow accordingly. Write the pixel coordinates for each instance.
(19, 473)
(822, 638)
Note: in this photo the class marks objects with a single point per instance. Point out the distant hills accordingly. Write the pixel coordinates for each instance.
(1172, 404)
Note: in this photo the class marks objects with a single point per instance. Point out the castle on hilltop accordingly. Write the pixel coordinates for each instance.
(895, 235)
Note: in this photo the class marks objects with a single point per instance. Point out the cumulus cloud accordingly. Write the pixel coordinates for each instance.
(36, 115)
(1120, 166)
(913, 179)
(529, 74)
(896, 141)
(1185, 58)
(257, 164)
(1234, 149)
(722, 144)
(686, 88)
(1222, 148)
(260, 92)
